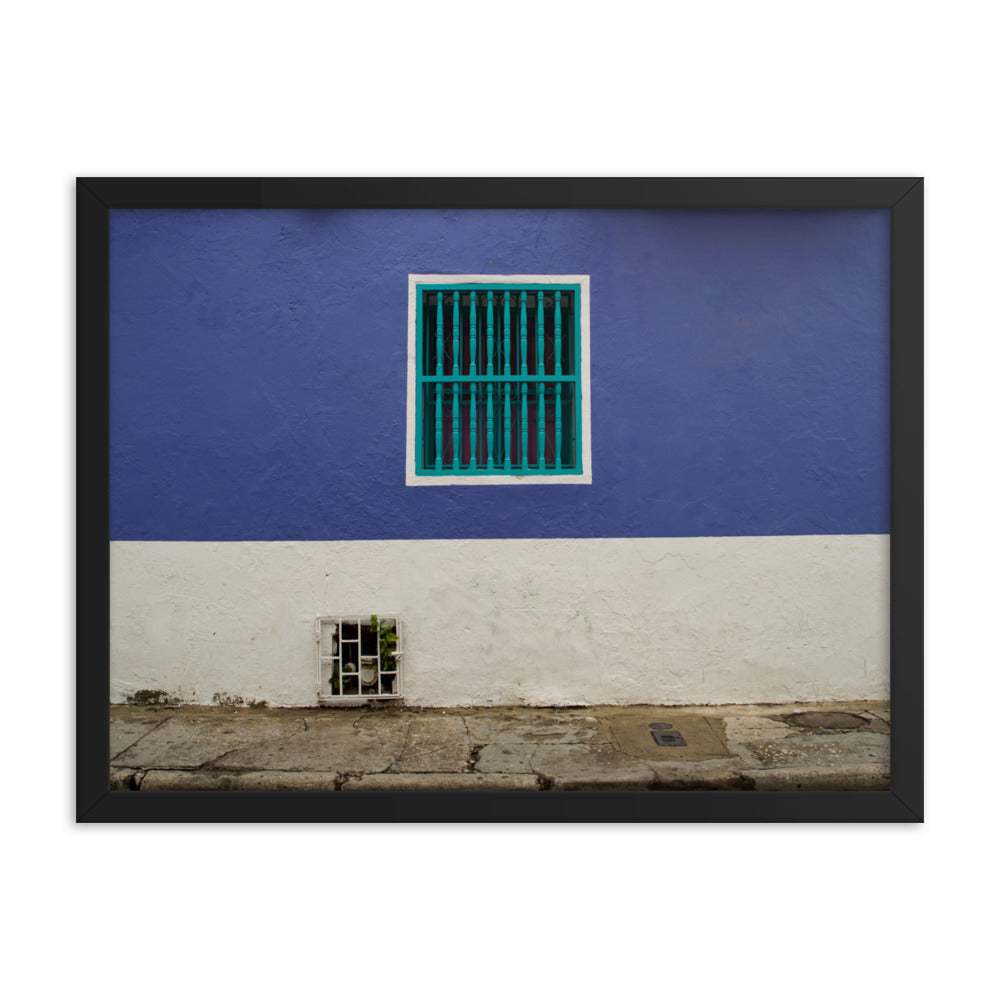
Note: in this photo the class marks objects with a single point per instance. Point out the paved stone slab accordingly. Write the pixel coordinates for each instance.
(574, 766)
(442, 783)
(332, 741)
(379, 724)
(877, 725)
(756, 729)
(832, 753)
(505, 758)
(878, 721)
(194, 738)
(528, 728)
(434, 744)
(125, 732)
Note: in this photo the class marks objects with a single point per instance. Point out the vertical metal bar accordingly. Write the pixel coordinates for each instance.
(473, 437)
(438, 388)
(524, 382)
(489, 385)
(336, 665)
(540, 359)
(557, 350)
(340, 658)
(456, 442)
(506, 385)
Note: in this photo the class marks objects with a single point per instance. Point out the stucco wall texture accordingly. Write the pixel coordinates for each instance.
(732, 546)
(740, 373)
(513, 621)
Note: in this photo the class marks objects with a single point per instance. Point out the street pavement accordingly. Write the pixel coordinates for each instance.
(842, 745)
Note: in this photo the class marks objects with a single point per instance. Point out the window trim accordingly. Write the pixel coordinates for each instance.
(535, 478)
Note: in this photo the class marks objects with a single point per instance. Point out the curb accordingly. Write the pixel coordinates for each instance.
(131, 780)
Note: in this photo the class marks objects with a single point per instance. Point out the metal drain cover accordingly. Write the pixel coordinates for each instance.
(677, 735)
(671, 739)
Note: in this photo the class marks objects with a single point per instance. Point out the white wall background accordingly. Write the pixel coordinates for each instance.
(312, 89)
(518, 621)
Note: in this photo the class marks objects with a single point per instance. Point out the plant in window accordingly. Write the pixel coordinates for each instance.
(387, 640)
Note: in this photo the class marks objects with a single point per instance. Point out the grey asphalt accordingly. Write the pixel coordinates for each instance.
(843, 745)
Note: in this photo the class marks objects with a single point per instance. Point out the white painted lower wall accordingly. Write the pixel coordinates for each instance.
(513, 621)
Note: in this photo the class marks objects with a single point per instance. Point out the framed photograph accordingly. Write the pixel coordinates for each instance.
(471, 499)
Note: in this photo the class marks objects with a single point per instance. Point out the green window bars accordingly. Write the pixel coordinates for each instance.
(498, 380)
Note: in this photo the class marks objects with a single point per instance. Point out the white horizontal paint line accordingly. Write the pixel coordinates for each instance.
(485, 279)
(541, 479)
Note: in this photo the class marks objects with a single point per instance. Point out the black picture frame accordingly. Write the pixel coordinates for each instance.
(903, 197)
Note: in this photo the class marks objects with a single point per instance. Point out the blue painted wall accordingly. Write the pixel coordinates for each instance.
(740, 373)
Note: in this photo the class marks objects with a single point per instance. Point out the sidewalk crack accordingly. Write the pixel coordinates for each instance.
(474, 748)
(406, 744)
(140, 739)
(543, 781)
(210, 764)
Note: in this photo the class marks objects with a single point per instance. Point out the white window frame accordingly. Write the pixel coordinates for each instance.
(583, 478)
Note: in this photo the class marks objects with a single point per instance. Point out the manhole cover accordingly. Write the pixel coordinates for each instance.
(662, 739)
(660, 725)
(826, 720)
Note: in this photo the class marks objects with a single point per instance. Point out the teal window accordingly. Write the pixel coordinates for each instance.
(498, 380)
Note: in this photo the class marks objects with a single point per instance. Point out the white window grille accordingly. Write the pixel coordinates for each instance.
(359, 657)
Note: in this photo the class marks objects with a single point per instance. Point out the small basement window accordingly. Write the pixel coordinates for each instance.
(499, 380)
(359, 657)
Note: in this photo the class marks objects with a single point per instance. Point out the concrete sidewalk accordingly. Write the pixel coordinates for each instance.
(842, 745)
